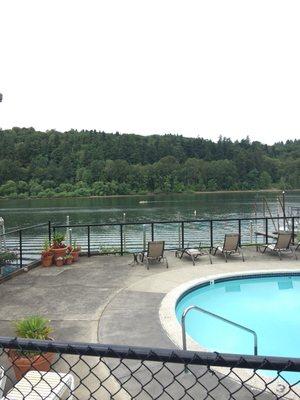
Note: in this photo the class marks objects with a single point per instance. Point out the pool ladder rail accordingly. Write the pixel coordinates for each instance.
(199, 309)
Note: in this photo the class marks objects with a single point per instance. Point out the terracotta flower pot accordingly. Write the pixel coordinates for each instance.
(75, 255)
(59, 262)
(59, 252)
(23, 364)
(68, 261)
(47, 260)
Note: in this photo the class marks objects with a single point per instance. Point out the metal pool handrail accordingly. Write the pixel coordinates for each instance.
(187, 310)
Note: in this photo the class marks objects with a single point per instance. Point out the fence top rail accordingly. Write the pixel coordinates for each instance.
(24, 228)
(166, 222)
(154, 354)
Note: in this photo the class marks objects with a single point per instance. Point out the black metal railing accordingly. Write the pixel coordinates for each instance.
(26, 243)
(96, 371)
(127, 237)
(175, 233)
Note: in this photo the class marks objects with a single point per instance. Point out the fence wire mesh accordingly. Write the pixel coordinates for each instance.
(94, 371)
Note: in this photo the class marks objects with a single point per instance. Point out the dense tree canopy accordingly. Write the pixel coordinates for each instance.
(97, 163)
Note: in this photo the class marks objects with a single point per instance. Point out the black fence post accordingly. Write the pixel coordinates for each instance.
(49, 231)
(267, 238)
(152, 231)
(121, 237)
(211, 235)
(293, 230)
(240, 232)
(182, 234)
(21, 249)
(89, 241)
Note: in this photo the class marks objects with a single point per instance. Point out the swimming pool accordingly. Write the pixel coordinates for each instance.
(269, 305)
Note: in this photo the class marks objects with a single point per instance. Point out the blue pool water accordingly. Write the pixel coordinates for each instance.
(268, 305)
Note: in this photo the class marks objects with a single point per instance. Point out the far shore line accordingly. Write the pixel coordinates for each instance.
(150, 194)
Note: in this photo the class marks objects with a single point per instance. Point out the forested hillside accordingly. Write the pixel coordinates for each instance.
(96, 163)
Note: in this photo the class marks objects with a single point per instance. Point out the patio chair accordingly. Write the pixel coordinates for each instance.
(230, 246)
(42, 385)
(155, 253)
(2, 381)
(283, 244)
(193, 253)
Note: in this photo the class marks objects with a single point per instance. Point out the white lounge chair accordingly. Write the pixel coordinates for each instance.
(230, 246)
(38, 385)
(193, 253)
(2, 381)
(283, 244)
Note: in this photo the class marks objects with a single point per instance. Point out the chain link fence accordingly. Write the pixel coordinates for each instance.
(94, 371)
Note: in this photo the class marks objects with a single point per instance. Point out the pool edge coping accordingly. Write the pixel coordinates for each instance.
(173, 330)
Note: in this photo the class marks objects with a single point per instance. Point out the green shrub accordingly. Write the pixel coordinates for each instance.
(33, 327)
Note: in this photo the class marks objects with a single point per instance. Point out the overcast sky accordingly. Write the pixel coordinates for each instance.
(207, 68)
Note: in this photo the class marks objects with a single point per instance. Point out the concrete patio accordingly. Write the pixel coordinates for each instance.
(105, 299)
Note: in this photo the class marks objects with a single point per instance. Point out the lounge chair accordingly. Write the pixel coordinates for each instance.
(230, 246)
(283, 244)
(42, 385)
(2, 381)
(155, 253)
(193, 252)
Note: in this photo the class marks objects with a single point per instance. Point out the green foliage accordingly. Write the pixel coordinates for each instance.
(7, 257)
(104, 249)
(33, 327)
(58, 239)
(100, 164)
(46, 245)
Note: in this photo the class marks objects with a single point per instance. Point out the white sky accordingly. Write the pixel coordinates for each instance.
(203, 67)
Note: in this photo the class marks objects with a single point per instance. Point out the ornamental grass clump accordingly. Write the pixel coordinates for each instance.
(33, 327)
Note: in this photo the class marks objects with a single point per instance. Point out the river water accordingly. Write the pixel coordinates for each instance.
(140, 208)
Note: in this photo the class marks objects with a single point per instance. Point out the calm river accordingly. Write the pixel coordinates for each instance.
(140, 208)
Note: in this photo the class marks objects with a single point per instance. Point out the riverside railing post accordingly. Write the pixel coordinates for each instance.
(144, 237)
(21, 249)
(49, 231)
(211, 235)
(152, 231)
(121, 237)
(124, 220)
(182, 234)
(283, 208)
(89, 241)
(267, 239)
(240, 232)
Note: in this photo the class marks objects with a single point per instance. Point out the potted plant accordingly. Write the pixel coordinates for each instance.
(58, 246)
(47, 254)
(68, 259)
(59, 261)
(75, 251)
(33, 327)
(6, 258)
